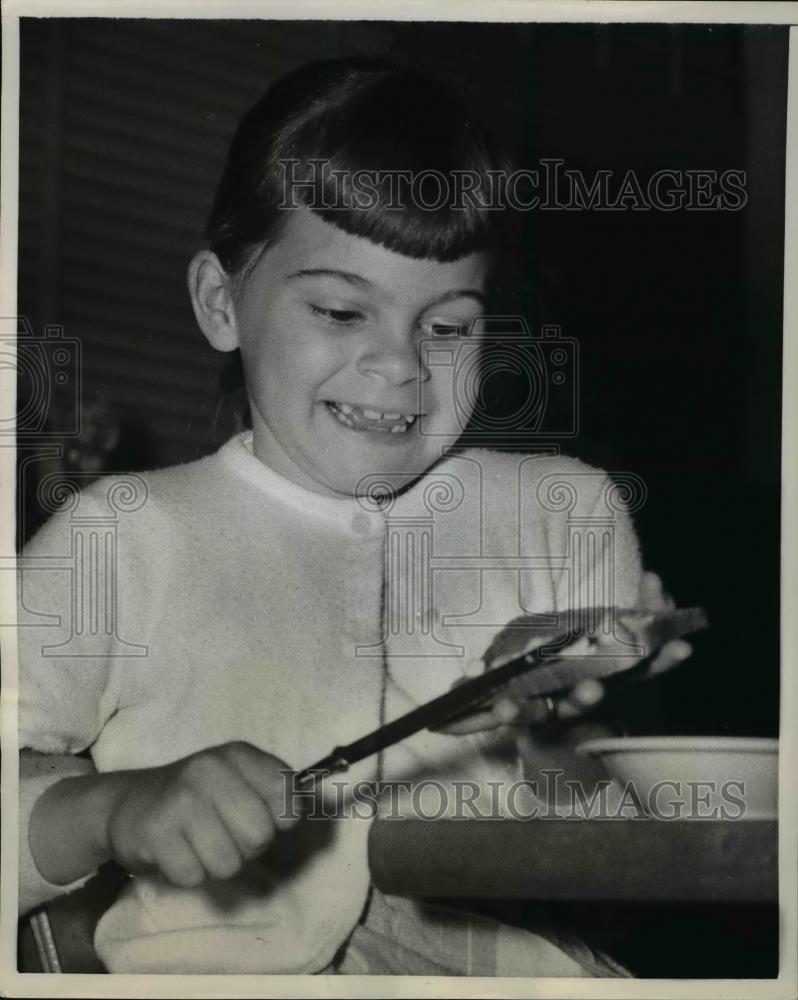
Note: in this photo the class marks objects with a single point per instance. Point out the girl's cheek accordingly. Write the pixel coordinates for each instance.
(451, 395)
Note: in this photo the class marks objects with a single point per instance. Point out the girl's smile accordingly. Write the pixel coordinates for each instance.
(332, 330)
(361, 418)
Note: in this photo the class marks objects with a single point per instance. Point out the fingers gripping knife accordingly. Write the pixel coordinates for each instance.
(528, 660)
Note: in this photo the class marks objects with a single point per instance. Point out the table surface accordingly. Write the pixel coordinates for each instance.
(634, 860)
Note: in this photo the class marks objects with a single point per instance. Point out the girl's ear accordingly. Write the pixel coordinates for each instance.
(210, 289)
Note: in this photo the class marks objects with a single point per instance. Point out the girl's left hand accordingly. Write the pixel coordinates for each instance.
(541, 712)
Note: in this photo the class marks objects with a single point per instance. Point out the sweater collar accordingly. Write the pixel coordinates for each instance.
(346, 513)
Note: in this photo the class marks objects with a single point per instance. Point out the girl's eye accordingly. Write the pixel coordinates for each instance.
(439, 328)
(341, 317)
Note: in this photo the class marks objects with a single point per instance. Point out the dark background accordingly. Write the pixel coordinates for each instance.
(124, 127)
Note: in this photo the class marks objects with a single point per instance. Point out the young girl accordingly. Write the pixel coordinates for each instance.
(321, 574)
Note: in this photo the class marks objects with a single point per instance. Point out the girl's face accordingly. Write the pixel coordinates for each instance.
(330, 328)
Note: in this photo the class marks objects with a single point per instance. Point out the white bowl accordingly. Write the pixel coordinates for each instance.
(694, 777)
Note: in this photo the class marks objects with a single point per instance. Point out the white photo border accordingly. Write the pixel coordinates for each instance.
(17, 984)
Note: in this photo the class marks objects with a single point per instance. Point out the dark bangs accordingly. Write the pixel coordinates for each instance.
(403, 168)
(383, 153)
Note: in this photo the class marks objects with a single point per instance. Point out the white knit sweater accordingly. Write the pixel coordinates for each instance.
(248, 608)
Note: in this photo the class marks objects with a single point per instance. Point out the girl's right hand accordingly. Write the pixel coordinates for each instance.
(201, 817)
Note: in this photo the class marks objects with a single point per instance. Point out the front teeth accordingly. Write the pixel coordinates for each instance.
(352, 417)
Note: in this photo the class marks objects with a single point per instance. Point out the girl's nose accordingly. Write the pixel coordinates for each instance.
(395, 360)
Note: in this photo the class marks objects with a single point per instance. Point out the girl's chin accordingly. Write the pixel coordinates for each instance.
(360, 474)
(370, 479)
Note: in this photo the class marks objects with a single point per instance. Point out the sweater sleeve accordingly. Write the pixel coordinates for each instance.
(578, 518)
(609, 559)
(63, 671)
